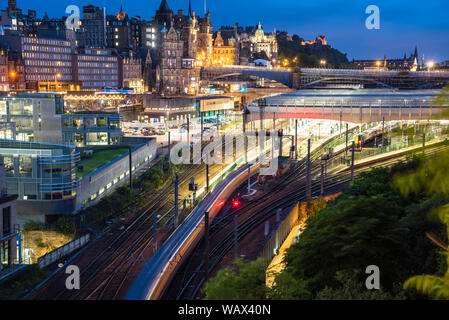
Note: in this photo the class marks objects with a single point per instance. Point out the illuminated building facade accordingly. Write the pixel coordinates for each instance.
(47, 62)
(225, 54)
(96, 68)
(410, 63)
(259, 41)
(41, 118)
(132, 76)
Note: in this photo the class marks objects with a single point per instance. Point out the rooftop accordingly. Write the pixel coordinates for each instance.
(359, 97)
(99, 158)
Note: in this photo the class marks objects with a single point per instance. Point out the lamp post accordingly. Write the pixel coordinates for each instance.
(323, 63)
(13, 75)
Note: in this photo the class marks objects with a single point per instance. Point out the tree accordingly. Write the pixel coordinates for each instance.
(244, 281)
(260, 55)
(431, 179)
(350, 288)
(287, 287)
(351, 233)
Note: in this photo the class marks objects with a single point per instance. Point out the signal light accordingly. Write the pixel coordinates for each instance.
(222, 202)
(235, 203)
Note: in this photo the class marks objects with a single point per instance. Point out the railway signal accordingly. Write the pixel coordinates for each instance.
(192, 185)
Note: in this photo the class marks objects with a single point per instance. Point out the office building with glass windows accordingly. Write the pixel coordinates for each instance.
(41, 118)
(42, 175)
(86, 129)
(8, 226)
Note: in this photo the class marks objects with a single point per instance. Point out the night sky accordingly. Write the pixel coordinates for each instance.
(403, 23)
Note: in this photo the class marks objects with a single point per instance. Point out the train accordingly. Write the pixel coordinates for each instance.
(157, 274)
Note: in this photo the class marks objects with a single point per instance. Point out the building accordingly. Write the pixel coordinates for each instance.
(119, 31)
(96, 68)
(160, 109)
(47, 61)
(83, 129)
(4, 71)
(204, 41)
(41, 118)
(132, 75)
(12, 18)
(8, 224)
(43, 176)
(184, 43)
(258, 41)
(410, 63)
(8, 130)
(319, 41)
(16, 71)
(225, 53)
(214, 105)
(93, 27)
(175, 74)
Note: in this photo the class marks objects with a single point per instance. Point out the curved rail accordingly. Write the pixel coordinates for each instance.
(156, 276)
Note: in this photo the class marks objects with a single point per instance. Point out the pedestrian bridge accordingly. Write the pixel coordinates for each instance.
(328, 78)
(357, 106)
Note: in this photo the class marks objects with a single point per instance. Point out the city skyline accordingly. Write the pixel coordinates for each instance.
(402, 29)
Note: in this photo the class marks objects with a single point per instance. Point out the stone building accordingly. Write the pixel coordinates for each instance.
(259, 42)
(132, 76)
(176, 73)
(183, 44)
(225, 53)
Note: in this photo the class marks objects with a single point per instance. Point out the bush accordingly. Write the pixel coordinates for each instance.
(64, 225)
(32, 226)
(19, 284)
(40, 243)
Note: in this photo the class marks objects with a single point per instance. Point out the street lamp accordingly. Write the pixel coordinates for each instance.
(430, 65)
(378, 64)
(13, 75)
(323, 63)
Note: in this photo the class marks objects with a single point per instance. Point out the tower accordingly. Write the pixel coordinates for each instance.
(11, 5)
(164, 14)
(190, 9)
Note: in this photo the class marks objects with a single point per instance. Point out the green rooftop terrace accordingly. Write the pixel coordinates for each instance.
(100, 157)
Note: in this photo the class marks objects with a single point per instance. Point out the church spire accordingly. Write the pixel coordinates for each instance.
(164, 6)
(190, 9)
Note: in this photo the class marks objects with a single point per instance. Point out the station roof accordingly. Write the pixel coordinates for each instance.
(360, 97)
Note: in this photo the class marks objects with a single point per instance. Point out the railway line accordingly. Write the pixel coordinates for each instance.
(105, 267)
(253, 215)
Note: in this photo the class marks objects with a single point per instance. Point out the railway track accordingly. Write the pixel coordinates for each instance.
(262, 212)
(117, 254)
(107, 267)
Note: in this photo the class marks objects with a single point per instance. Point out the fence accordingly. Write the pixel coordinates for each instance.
(280, 233)
(56, 254)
